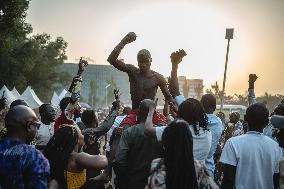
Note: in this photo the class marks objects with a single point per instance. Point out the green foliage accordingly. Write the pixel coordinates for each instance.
(26, 59)
(110, 95)
(270, 100)
(93, 99)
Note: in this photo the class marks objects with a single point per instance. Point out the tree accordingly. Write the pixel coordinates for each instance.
(110, 95)
(270, 100)
(27, 59)
(93, 100)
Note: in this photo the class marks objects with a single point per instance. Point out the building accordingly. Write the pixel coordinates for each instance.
(99, 75)
(191, 88)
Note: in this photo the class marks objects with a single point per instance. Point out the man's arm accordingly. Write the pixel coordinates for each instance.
(113, 57)
(276, 180)
(105, 126)
(164, 89)
(251, 94)
(77, 79)
(229, 162)
(229, 176)
(150, 130)
(176, 58)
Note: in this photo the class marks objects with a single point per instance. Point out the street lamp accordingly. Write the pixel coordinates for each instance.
(106, 92)
(229, 35)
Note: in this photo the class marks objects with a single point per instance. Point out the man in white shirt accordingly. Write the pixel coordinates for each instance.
(46, 129)
(251, 160)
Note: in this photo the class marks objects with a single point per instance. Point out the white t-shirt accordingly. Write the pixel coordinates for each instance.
(116, 123)
(256, 158)
(201, 142)
(44, 133)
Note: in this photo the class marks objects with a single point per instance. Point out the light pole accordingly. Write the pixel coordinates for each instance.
(229, 35)
(106, 92)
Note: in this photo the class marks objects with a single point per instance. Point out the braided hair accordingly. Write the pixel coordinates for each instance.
(178, 156)
(58, 151)
(192, 111)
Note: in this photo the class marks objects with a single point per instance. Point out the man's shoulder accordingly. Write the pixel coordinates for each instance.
(131, 67)
(156, 74)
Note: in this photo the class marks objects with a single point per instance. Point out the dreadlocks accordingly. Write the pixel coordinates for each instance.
(192, 111)
(178, 156)
(58, 151)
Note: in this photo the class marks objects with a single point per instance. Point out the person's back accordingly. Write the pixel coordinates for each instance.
(141, 151)
(216, 127)
(257, 158)
(20, 164)
(251, 160)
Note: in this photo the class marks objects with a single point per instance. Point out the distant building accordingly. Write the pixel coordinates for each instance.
(195, 88)
(100, 74)
(191, 88)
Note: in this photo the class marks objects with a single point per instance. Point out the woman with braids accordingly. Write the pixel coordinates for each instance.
(178, 169)
(67, 163)
(192, 112)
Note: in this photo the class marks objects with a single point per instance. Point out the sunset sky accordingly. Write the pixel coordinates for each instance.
(92, 28)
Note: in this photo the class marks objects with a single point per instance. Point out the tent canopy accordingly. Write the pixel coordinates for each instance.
(31, 98)
(8, 95)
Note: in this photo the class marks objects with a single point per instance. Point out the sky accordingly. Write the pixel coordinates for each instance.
(92, 28)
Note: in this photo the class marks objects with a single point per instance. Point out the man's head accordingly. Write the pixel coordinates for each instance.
(222, 116)
(279, 110)
(89, 119)
(144, 60)
(208, 102)
(21, 122)
(64, 103)
(47, 113)
(144, 109)
(18, 102)
(126, 110)
(257, 117)
(278, 130)
(234, 117)
(192, 111)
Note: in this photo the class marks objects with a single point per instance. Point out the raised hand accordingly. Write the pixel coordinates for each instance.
(129, 38)
(82, 65)
(116, 94)
(176, 57)
(252, 78)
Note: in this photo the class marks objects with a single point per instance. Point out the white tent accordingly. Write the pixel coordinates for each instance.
(16, 93)
(55, 100)
(8, 95)
(62, 94)
(31, 98)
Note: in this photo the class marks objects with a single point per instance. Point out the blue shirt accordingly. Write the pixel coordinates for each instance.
(22, 166)
(216, 127)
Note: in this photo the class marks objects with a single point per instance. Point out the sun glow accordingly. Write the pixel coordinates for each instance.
(168, 27)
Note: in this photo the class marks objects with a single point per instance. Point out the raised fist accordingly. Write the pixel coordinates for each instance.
(82, 65)
(252, 78)
(176, 57)
(129, 38)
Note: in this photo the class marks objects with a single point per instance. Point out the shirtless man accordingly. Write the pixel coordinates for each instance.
(144, 82)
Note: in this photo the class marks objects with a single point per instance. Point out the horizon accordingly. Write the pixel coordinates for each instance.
(93, 28)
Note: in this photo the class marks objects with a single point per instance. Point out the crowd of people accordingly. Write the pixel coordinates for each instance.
(187, 146)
